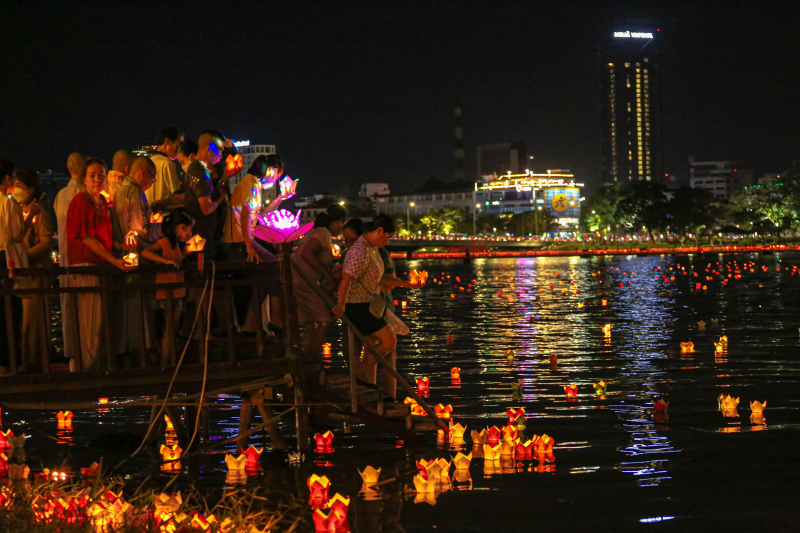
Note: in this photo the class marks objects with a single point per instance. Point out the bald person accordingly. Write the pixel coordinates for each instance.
(198, 190)
(131, 208)
(120, 167)
(75, 165)
(167, 141)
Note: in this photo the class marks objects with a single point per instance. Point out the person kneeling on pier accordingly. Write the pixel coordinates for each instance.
(363, 279)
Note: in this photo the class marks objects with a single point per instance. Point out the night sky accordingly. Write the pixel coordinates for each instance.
(359, 92)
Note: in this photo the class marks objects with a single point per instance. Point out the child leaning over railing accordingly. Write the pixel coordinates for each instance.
(170, 250)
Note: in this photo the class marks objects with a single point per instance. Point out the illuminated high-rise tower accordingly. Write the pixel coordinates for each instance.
(631, 104)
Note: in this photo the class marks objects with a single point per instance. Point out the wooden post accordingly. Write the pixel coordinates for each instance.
(232, 314)
(12, 342)
(273, 429)
(292, 346)
(170, 333)
(353, 363)
(245, 417)
(259, 324)
(106, 327)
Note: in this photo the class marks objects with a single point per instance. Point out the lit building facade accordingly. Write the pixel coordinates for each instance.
(556, 191)
(631, 106)
(721, 178)
(368, 190)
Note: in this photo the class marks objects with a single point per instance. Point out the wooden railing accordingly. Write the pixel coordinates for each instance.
(114, 285)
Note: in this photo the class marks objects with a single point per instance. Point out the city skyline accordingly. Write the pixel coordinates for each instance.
(359, 93)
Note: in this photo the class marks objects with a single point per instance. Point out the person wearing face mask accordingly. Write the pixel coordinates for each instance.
(13, 226)
(38, 241)
(187, 152)
(90, 243)
(167, 182)
(198, 191)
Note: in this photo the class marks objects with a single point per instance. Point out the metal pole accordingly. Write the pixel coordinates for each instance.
(408, 219)
(474, 223)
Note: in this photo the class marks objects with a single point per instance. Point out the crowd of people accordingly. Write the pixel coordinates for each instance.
(151, 209)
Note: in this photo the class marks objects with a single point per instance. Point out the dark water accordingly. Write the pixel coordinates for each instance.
(617, 464)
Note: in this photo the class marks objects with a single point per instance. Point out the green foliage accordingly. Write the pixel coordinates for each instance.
(442, 221)
(690, 210)
(535, 222)
(600, 213)
(643, 206)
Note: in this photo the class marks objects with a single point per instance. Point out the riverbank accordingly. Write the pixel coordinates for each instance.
(585, 252)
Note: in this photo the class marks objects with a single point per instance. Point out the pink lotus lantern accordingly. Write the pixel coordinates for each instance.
(281, 227)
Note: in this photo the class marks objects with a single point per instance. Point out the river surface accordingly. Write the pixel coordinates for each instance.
(617, 464)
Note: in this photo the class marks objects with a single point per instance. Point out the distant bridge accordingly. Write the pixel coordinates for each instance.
(409, 246)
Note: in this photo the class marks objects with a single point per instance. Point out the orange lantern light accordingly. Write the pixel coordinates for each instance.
(514, 414)
(318, 486)
(687, 347)
(443, 411)
(423, 385)
(758, 407)
(509, 432)
(4, 442)
(572, 391)
(524, 450)
(449, 338)
(102, 401)
(171, 454)
(455, 373)
(604, 303)
(252, 455)
(544, 444)
(195, 244)
(326, 349)
(169, 423)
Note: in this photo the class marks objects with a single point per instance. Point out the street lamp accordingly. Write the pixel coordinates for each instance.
(408, 216)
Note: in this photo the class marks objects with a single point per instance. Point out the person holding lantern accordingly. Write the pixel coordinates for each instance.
(90, 243)
(315, 258)
(360, 299)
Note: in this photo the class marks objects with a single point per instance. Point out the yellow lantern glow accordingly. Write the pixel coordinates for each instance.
(687, 347)
(370, 474)
(758, 407)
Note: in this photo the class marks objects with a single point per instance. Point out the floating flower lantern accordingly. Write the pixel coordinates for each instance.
(167, 506)
(423, 385)
(370, 474)
(443, 411)
(599, 388)
(235, 463)
(169, 423)
(758, 407)
(416, 409)
(729, 402)
(604, 303)
(571, 391)
(660, 406)
(724, 340)
(701, 324)
(412, 314)
(508, 446)
(457, 432)
(195, 244)
(514, 414)
(455, 373)
(318, 486)
(719, 347)
(462, 461)
(4, 442)
(687, 347)
(491, 453)
(607, 330)
(544, 444)
(424, 485)
(281, 227)
(493, 435)
(480, 438)
(450, 335)
(170, 453)
(509, 432)
(329, 522)
(510, 355)
(524, 450)
(326, 349)
(516, 388)
(102, 401)
(324, 442)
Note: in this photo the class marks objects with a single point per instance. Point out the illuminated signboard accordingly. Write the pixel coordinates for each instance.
(239, 144)
(564, 202)
(633, 34)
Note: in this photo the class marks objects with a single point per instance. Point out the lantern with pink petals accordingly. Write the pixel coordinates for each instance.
(280, 227)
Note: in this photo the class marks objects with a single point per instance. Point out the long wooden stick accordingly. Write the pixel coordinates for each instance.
(378, 357)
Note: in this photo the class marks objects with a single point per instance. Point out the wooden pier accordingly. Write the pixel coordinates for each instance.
(262, 373)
